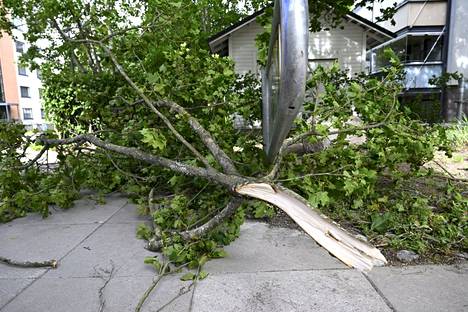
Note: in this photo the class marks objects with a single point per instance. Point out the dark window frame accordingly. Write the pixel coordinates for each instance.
(22, 71)
(23, 94)
(27, 113)
(19, 47)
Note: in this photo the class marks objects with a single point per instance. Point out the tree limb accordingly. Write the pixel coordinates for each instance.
(35, 159)
(28, 264)
(67, 39)
(148, 102)
(209, 173)
(205, 136)
(155, 244)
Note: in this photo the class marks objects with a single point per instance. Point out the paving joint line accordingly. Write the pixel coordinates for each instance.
(61, 258)
(281, 271)
(380, 293)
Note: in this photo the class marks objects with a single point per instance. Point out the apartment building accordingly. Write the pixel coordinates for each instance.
(431, 40)
(20, 96)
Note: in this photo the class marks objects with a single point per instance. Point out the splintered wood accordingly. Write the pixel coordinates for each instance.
(352, 251)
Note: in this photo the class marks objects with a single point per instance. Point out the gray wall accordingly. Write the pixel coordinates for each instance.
(458, 40)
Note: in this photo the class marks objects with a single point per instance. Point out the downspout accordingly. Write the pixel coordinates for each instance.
(444, 95)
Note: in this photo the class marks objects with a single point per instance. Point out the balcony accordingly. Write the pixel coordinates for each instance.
(418, 75)
(9, 112)
(5, 114)
(420, 54)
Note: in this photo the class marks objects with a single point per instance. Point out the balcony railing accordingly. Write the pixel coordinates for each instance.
(418, 75)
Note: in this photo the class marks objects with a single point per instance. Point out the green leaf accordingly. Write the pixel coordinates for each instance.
(202, 275)
(154, 139)
(188, 277)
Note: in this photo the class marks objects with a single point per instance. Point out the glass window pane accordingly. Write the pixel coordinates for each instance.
(27, 114)
(420, 47)
(24, 91)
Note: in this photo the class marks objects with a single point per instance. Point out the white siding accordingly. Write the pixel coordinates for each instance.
(242, 48)
(347, 45)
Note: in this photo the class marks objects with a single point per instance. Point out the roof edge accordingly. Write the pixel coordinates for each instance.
(251, 17)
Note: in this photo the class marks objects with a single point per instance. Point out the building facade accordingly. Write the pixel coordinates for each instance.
(346, 45)
(431, 40)
(21, 87)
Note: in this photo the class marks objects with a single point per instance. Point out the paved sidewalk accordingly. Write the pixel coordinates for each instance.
(267, 269)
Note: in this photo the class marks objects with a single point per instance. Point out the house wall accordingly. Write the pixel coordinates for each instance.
(242, 48)
(347, 45)
(418, 14)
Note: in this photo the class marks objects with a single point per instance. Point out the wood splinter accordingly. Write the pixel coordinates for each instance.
(337, 241)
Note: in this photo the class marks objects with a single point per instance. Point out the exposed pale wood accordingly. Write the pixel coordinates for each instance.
(344, 246)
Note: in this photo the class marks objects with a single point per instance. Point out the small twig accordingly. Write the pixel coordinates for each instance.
(35, 159)
(331, 173)
(443, 168)
(194, 284)
(182, 291)
(28, 264)
(102, 300)
(131, 175)
(153, 285)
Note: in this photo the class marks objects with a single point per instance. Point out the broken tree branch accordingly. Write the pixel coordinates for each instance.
(148, 102)
(209, 173)
(205, 136)
(30, 264)
(155, 243)
(337, 241)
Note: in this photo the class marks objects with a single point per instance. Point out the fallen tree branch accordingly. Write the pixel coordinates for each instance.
(209, 173)
(148, 102)
(182, 291)
(155, 243)
(30, 264)
(35, 159)
(205, 136)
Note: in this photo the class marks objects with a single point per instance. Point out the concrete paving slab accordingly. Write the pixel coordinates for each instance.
(123, 294)
(9, 288)
(111, 243)
(129, 214)
(261, 247)
(38, 243)
(84, 210)
(82, 294)
(58, 295)
(424, 288)
(325, 290)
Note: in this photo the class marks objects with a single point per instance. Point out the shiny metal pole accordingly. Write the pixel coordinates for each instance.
(285, 75)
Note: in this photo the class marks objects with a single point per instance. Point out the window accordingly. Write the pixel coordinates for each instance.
(418, 48)
(43, 113)
(22, 71)
(4, 112)
(27, 114)
(39, 73)
(40, 93)
(24, 92)
(19, 47)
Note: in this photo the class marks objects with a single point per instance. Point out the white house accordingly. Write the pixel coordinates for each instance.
(347, 44)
